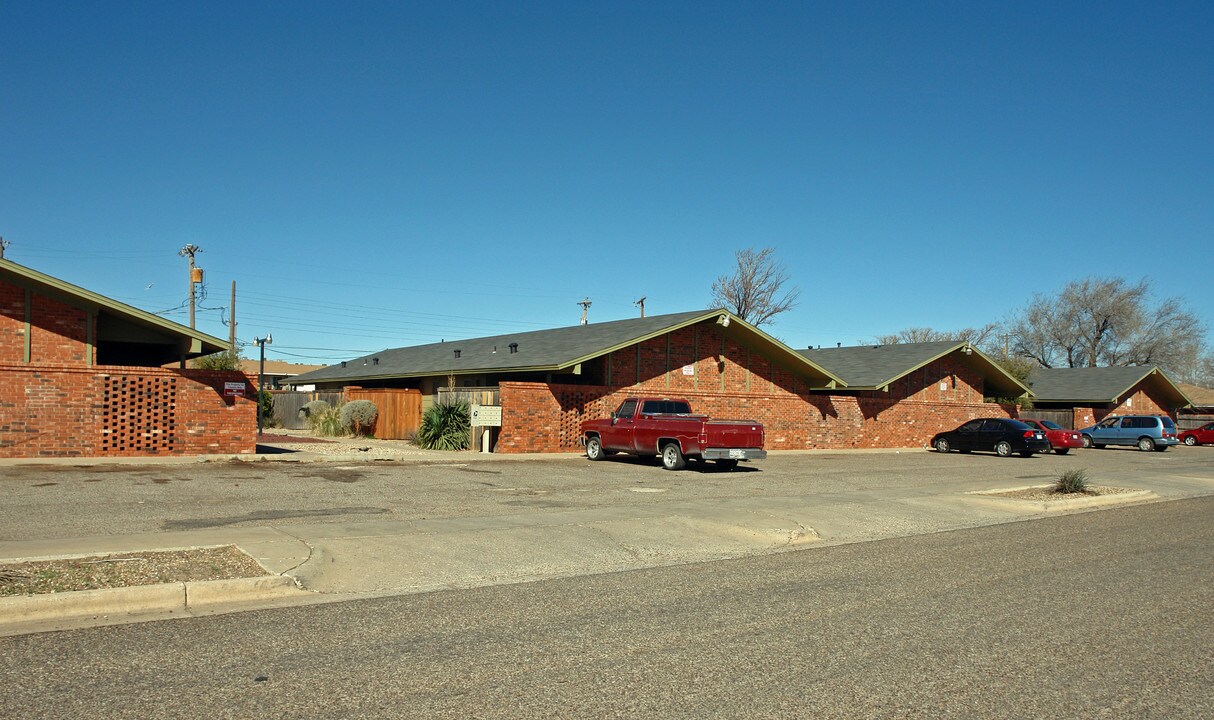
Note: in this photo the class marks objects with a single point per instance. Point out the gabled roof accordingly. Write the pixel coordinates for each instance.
(555, 350)
(125, 321)
(874, 367)
(1198, 395)
(1099, 384)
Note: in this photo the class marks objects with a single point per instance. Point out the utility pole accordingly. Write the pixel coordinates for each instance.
(195, 275)
(232, 322)
(3, 244)
(585, 303)
(641, 304)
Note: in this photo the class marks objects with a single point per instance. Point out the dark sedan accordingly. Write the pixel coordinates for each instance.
(1003, 436)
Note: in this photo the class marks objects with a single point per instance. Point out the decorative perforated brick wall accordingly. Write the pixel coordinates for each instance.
(77, 411)
(139, 414)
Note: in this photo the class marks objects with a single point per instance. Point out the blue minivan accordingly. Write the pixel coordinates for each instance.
(1148, 432)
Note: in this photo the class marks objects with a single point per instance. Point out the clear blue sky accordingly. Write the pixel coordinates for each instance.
(385, 174)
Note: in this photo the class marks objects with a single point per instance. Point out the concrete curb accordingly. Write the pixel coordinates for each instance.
(1079, 503)
(141, 599)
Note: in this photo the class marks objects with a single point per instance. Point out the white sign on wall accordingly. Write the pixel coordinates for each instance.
(689, 369)
(486, 415)
(233, 389)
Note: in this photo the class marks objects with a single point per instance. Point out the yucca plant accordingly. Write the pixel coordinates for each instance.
(1071, 482)
(445, 427)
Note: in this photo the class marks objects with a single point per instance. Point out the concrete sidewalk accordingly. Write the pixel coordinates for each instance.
(332, 562)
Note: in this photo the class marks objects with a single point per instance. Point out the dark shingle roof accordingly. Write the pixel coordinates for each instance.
(875, 366)
(538, 350)
(1098, 384)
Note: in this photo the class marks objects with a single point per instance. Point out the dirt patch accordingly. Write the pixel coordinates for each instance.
(126, 570)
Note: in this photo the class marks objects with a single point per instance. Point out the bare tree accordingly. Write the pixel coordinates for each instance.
(756, 292)
(1108, 321)
(980, 336)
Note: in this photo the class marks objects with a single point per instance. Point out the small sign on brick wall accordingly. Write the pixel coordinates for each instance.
(689, 369)
(233, 389)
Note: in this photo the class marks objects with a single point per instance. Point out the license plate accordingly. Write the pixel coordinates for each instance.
(737, 453)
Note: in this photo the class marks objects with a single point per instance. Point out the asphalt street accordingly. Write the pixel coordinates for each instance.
(1103, 614)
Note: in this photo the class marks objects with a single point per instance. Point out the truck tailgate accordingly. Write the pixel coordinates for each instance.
(733, 434)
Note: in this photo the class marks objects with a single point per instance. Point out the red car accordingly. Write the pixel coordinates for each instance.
(1200, 436)
(1061, 439)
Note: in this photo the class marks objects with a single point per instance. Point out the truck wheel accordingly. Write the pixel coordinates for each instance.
(727, 464)
(594, 448)
(672, 457)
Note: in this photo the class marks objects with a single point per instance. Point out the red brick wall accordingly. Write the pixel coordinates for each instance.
(538, 417)
(76, 411)
(58, 331)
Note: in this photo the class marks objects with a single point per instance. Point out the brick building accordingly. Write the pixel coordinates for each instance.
(1091, 394)
(81, 376)
(548, 381)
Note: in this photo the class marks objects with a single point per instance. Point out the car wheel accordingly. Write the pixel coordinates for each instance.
(1003, 448)
(727, 464)
(1190, 441)
(1061, 451)
(1087, 441)
(1146, 444)
(672, 457)
(594, 448)
(942, 445)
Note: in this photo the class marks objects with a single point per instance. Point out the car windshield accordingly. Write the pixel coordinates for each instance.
(1016, 424)
(1167, 422)
(665, 407)
(1051, 425)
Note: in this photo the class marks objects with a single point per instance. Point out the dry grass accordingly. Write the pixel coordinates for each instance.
(126, 569)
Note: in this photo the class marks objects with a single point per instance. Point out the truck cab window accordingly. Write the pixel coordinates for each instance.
(627, 409)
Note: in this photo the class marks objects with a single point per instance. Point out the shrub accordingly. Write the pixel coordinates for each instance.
(226, 360)
(1071, 481)
(265, 406)
(358, 416)
(315, 407)
(445, 427)
(327, 422)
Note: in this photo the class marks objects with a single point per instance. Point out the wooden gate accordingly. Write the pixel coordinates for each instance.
(400, 410)
(475, 396)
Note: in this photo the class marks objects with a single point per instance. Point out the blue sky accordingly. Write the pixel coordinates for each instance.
(384, 174)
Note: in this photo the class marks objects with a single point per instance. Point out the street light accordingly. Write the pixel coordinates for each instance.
(261, 373)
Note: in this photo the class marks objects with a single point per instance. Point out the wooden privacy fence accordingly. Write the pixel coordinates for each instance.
(400, 410)
(288, 403)
(1064, 418)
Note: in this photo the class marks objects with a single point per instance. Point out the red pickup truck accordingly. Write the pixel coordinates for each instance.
(665, 427)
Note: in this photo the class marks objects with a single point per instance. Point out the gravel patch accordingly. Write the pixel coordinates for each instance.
(126, 569)
(1045, 493)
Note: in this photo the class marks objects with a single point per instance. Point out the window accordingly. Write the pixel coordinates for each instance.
(627, 409)
(1167, 422)
(665, 407)
(971, 426)
(993, 426)
(1109, 423)
(1051, 425)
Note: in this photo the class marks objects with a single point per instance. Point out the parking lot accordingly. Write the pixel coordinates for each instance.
(63, 501)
